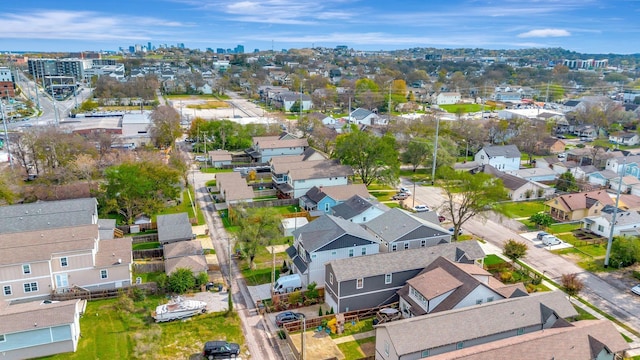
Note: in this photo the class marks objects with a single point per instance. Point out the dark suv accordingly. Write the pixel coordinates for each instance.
(220, 350)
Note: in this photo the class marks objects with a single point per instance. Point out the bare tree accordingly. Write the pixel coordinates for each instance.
(165, 128)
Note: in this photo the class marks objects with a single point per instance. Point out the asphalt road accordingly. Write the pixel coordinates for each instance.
(618, 302)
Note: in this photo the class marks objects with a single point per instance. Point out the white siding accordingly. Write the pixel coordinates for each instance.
(302, 186)
(317, 268)
(479, 293)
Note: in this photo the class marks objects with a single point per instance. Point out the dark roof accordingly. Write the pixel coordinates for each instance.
(396, 223)
(571, 103)
(326, 229)
(360, 113)
(43, 215)
(354, 206)
(174, 227)
(509, 181)
(508, 151)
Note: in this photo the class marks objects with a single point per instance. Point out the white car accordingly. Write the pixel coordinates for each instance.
(636, 289)
(201, 158)
(421, 208)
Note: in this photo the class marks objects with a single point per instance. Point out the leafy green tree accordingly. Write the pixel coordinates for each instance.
(541, 219)
(468, 194)
(372, 158)
(417, 153)
(567, 182)
(181, 281)
(571, 284)
(165, 128)
(132, 188)
(625, 251)
(514, 250)
(88, 106)
(258, 227)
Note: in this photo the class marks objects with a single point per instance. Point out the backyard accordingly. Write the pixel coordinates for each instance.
(112, 329)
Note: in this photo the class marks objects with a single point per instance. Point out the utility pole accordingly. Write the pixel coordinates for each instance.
(435, 153)
(389, 106)
(6, 133)
(615, 213)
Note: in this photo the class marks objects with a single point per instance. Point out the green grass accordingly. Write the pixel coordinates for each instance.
(467, 108)
(392, 205)
(359, 327)
(150, 276)
(212, 170)
(563, 227)
(493, 259)
(520, 209)
(145, 246)
(626, 338)
(257, 276)
(383, 195)
(179, 97)
(184, 206)
(351, 349)
(110, 333)
(211, 183)
(583, 314)
(374, 187)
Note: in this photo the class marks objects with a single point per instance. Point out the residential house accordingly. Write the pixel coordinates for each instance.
(508, 96)
(266, 147)
(446, 285)
(373, 280)
(37, 329)
(535, 174)
(300, 177)
(398, 230)
(587, 339)
(624, 138)
(626, 184)
(485, 323)
(363, 116)
(550, 146)
(44, 215)
(219, 158)
(602, 178)
(624, 161)
(174, 227)
(233, 188)
(448, 98)
(586, 131)
(358, 209)
(573, 207)
(288, 225)
(520, 189)
(627, 223)
(184, 255)
(60, 259)
(547, 162)
(286, 100)
(324, 239)
(322, 199)
(501, 157)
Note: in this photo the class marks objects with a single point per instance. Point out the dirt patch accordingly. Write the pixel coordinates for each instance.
(369, 349)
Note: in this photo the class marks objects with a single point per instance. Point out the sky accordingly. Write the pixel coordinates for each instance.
(584, 26)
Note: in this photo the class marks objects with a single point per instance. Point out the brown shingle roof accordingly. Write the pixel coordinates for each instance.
(195, 263)
(269, 143)
(182, 248)
(434, 283)
(344, 192)
(42, 244)
(584, 200)
(113, 250)
(234, 187)
(32, 315)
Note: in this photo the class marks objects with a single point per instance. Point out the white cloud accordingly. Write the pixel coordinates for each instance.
(545, 33)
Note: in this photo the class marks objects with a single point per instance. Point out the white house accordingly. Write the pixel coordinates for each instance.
(624, 138)
(324, 239)
(627, 223)
(447, 98)
(503, 158)
(266, 147)
(362, 116)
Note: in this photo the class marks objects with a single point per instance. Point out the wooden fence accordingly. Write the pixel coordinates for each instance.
(148, 254)
(270, 203)
(143, 227)
(149, 266)
(101, 294)
(139, 239)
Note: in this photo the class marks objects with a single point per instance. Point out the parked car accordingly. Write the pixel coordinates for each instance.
(541, 234)
(287, 316)
(400, 196)
(636, 289)
(421, 208)
(441, 218)
(220, 350)
(452, 230)
(201, 158)
(404, 190)
(549, 240)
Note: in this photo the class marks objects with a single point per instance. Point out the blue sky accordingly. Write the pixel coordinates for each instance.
(586, 26)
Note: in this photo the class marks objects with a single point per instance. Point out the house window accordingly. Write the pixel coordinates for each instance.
(2, 339)
(359, 283)
(26, 269)
(490, 299)
(64, 262)
(334, 252)
(600, 228)
(30, 287)
(387, 278)
(394, 247)
(103, 274)
(520, 331)
(423, 243)
(386, 347)
(424, 353)
(364, 219)
(406, 245)
(6, 290)
(460, 345)
(364, 251)
(62, 280)
(326, 207)
(350, 252)
(479, 301)
(331, 278)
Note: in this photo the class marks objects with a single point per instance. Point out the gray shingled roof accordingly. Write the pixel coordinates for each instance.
(392, 262)
(445, 328)
(43, 215)
(182, 248)
(174, 227)
(360, 113)
(508, 151)
(326, 229)
(35, 315)
(396, 223)
(354, 206)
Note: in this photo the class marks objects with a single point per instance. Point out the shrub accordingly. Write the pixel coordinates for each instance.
(530, 288)
(137, 294)
(572, 284)
(514, 249)
(181, 281)
(295, 297)
(506, 276)
(202, 279)
(284, 269)
(320, 311)
(125, 304)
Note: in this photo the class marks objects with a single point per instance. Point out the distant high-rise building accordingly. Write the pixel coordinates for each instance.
(132, 49)
(181, 45)
(239, 49)
(39, 68)
(210, 49)
(256, 50)
(149, 48)
(219, 51)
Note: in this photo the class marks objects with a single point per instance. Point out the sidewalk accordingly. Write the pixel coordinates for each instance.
(354, 337)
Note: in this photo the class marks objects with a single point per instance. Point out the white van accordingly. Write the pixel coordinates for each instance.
(549, 240)
(287, 284)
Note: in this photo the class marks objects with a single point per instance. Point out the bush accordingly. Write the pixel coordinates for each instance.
(514, 249)
(181, 281)
(506, 276)
(137, 294)
(202, 279)
(125, 304)
(636, 275)
(282, 334)
(320, 311)
(284, 269)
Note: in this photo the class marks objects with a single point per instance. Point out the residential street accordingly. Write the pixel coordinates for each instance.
(620, 303)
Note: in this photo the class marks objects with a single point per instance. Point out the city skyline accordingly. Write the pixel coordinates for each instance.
(588, 26)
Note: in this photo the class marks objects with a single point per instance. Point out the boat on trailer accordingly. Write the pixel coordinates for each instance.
(179, 308)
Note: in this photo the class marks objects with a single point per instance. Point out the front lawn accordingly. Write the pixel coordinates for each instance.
(356, 327)
(564, 227)
(520, 209)
(353, 349)
(466, 108)
(184, 206)
(111, 331)
(146, 246)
